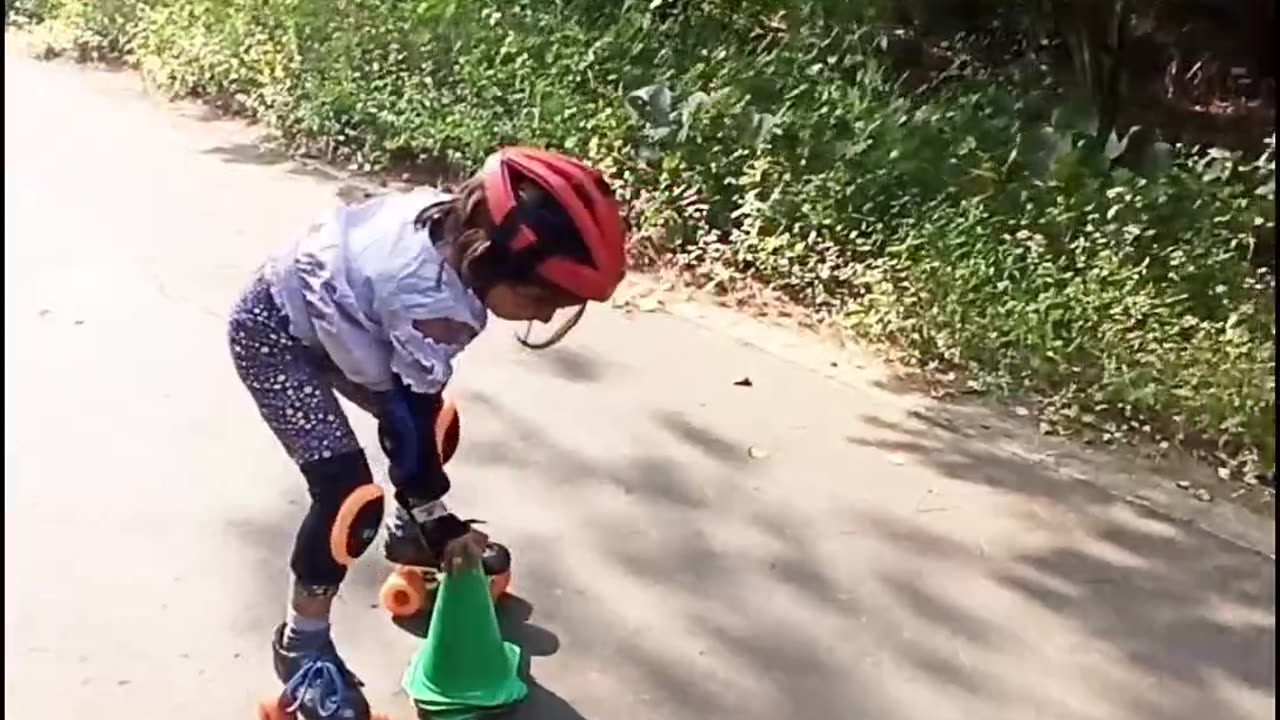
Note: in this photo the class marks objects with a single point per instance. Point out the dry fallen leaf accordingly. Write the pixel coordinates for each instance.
(648, 304)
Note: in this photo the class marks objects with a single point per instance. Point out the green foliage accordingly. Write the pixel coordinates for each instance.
(85, 29)
(1110, 274)
(21, 13)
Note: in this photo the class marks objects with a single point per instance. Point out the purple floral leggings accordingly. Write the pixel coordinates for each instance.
(292, 385)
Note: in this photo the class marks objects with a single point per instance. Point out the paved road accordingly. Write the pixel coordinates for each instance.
(869, 567)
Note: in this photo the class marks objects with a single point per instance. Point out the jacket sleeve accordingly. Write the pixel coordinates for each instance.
(406, 431)
(428, 320)
(421, 364)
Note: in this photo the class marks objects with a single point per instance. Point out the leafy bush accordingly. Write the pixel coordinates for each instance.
(89, 30)
(1120, 280)
(21, 13)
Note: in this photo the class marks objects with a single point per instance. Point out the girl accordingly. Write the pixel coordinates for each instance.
(374, 302)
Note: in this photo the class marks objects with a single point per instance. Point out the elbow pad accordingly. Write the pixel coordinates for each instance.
(418, 432)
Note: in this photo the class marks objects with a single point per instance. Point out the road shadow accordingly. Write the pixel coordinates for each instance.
(982, 419)
(543, 704)
(709, 442)
(1183, 606)
(760, 607)
(571, 364)
(263, 154)
(699, 578)
(1179, 607)
(515, 621)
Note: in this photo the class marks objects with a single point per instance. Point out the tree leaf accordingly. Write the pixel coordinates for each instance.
(765, 122)
(1116, 145)
(689, 110)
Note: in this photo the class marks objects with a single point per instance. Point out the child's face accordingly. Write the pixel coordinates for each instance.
(527, 302)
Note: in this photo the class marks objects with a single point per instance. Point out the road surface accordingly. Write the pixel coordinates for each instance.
(864, 565)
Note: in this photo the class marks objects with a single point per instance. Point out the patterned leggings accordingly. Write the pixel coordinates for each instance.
(296, 390)
(293, 385)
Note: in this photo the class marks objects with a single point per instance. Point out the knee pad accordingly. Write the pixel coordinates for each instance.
(356, 523)
(448, 428)
(347, 502)
(346, 510)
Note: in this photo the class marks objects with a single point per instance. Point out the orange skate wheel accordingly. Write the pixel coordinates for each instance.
(404, 593)
(499, 584)
(271, 710)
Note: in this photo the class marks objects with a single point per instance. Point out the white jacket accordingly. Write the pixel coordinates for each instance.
(356, 282)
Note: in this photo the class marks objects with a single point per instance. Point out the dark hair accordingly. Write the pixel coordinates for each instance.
(468, 230)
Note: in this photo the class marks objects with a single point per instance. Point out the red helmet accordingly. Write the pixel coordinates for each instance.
(589, 266)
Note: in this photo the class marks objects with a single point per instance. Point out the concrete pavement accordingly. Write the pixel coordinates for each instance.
(868, 565)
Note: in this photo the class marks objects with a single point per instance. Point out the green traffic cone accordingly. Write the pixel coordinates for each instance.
(464, 669)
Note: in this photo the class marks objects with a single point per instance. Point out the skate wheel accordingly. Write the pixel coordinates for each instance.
(404, 593)
(271, 710)
(499, 584)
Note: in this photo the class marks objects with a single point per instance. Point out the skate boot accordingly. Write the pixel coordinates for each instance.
(409, 590)
(317, 685)
(404, 545)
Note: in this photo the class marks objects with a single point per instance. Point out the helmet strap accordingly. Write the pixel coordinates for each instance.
(557, 335)
(503, 264)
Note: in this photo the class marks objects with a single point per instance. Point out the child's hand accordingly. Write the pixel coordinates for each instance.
(469, 548)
